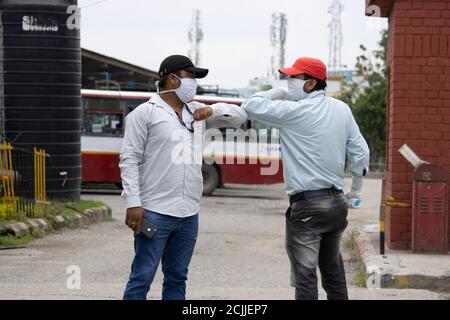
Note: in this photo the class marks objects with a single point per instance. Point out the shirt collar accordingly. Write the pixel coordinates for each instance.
(316, 94)
(158, 101)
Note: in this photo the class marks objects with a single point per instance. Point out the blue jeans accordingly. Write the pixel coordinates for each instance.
(173, 244)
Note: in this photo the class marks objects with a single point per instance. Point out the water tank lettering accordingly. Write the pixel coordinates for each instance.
(30, 23)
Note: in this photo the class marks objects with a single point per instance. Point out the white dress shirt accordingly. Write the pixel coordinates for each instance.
(154, 175)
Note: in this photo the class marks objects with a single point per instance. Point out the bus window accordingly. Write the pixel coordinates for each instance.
(107, 105)
(103, 124)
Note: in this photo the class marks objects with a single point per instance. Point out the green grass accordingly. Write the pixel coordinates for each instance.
(9, 240)
(18, 216)
(66, 209)
(361, 279)
(86, 204)
(56, 208)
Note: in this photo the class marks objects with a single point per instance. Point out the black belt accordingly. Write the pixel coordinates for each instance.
(312, 194)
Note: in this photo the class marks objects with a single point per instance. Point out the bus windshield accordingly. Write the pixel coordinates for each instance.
(104, 116)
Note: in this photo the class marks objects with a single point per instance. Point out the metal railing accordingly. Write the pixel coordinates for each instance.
(23, 179)
(40, 195)
(8, 177)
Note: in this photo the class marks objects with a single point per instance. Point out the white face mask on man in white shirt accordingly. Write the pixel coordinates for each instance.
(186, 91)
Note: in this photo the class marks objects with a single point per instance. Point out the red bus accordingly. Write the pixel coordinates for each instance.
(101, 140)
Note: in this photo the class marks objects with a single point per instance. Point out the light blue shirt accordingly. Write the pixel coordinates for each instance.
(316, 134)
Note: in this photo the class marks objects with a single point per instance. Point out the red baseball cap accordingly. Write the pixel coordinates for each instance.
(311, 66)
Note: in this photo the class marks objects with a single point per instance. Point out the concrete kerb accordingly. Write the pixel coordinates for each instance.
(77, 220)
(37, 224)
(58, 222)
(18, 229)
(90, 214)
(387, 272)
(99, 213)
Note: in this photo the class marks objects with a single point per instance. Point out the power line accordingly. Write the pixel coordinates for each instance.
(93, 4)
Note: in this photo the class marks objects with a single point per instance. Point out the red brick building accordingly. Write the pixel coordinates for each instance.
(418, 99)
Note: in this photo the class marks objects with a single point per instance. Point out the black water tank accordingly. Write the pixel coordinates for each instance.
(40, 86)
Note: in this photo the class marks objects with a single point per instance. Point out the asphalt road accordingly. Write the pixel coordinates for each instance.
(239, 254)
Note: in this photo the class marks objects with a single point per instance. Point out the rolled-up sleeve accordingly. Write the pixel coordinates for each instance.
(357, 150)
(226, 115)
(131, 155)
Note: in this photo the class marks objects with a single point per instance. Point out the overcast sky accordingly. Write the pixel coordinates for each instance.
(236, 45)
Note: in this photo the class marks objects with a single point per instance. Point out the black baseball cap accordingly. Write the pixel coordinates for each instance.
(176, 63)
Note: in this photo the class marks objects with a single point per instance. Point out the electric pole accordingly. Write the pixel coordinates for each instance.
(195, 35)
(336, 37)
(278, 32)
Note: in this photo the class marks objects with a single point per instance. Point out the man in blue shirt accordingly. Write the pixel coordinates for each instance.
(316, 132)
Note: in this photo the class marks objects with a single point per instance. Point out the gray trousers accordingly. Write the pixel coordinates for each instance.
(314, 229)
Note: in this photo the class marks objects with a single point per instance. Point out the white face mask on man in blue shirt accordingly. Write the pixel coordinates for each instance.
(296, 89)
(186, 91)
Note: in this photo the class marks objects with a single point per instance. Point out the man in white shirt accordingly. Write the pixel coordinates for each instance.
(159, 184)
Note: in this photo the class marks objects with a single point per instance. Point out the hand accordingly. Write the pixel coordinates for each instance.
(134, 217)
(350, 199)
(202, 113)
(278, 94)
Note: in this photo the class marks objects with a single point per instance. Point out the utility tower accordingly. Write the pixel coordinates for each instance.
(278, 32)
(195, 35)
(336, 37)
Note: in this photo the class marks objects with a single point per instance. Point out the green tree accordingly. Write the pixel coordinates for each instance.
(367, 98)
